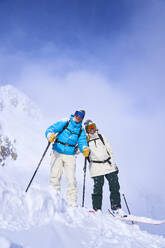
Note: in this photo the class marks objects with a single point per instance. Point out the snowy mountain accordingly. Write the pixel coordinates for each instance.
(14, 101)
(20, 120)
(41, 217)
(7, 150)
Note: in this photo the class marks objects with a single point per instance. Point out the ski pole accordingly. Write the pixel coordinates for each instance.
(84, 169)
(38, 166)
(127, 206)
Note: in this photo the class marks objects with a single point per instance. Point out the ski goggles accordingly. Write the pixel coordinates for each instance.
(79, 113)
(91, 126)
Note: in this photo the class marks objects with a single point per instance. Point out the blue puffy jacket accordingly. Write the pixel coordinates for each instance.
(68, 136)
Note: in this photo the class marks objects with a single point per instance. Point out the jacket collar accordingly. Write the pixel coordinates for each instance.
(93, 136)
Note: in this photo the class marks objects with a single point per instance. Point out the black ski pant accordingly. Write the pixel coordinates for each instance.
(114, 188)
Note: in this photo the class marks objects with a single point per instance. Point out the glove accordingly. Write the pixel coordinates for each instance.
(86, 152)
(52, 137)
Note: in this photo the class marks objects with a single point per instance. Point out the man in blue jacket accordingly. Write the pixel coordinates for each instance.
(66, 136)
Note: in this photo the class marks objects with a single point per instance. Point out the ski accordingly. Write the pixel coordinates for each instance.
(138, 219)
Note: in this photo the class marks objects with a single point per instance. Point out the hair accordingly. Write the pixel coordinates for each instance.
(83, 111)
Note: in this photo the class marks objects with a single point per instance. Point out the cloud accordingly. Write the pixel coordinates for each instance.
(140, 54)
(121, 87)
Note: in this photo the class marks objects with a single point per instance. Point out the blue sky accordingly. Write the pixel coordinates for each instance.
(82, 29)
(68, 23)
(116, 38)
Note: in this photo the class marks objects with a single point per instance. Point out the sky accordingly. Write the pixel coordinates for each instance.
(104, 56)
(121, 40)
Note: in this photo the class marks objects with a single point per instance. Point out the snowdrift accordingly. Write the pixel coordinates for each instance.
(41, 218)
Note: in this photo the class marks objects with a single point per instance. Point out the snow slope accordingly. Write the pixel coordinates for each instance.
(41, 217)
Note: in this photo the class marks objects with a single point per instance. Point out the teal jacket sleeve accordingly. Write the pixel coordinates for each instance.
(82, 141)
(56, 128)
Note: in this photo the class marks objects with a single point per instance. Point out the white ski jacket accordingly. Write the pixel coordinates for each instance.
(100, 153)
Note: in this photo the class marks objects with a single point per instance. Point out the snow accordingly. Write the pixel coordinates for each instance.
(41, 217)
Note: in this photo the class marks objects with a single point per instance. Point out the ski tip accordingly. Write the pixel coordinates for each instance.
(91, 211)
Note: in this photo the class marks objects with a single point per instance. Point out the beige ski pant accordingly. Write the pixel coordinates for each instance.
(68, 163)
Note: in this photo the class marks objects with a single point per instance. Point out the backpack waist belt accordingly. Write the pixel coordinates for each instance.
(104, 161)
(65, 144)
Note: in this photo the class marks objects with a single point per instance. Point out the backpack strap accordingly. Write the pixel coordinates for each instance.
(73, 132)
(104, 161)
(80, 133)
(101, 138)
(65, 127)
(76, 147)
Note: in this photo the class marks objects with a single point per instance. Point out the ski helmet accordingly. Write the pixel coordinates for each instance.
(89, 124)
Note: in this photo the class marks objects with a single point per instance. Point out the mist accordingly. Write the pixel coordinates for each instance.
(118, 79)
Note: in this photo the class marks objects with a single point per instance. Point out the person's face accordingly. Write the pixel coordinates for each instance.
(92, 130)
(77, 118)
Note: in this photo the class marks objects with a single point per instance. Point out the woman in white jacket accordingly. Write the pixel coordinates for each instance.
(102, 164)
